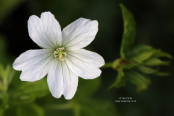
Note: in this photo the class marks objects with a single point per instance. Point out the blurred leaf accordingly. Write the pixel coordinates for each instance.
(7, 6)
(141, 81)
(86, 85)
(159, 53)
(121, 63)
(95, 107)
(2, 71)
(155, 62)
(9, 73)
(4, 105)
(140, 53)
(29, 91)
(6, 76)
(1, 112)
(147, 70)
(120, 81)
(30, 110)
(161, 74)
(129, 31)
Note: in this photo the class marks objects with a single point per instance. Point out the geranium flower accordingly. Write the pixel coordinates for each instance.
(62, 58)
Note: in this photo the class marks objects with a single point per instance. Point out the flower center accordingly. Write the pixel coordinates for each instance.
(60, 52)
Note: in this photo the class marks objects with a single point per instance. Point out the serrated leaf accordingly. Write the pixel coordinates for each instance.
(155, 62)
(30, 110)
(120, 81)
(139, 80)
(140, 53)
(160, 53)
(129, 31)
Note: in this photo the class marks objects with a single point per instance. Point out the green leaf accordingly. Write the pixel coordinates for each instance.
(147, 70)
(160, 53)
(29, 91)
(139, 80)
(129, 31)
(2, 71)
(9, 73)
(155, 62)
(90, 107)
(120, 81)
(1, 112)
(30, 110)
(4, 104)
(161, 74)
(86, 85)
(140, 53)
(6, 76)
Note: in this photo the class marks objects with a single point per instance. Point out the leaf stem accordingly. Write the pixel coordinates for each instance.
(108, 65)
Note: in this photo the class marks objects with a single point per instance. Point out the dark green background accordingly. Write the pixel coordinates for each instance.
(155, 27)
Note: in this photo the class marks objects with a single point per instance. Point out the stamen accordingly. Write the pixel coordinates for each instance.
(60, 52)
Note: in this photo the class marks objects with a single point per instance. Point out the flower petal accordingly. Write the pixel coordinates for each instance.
(55, 79)
(31, 57)
(52, 28)
(61, 80)
(45, 32)
(70, 82)
(88, 56)
(79, 34)
(82, 68)
(41, 69)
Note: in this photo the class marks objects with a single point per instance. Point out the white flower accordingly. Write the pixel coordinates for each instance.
(62, 58)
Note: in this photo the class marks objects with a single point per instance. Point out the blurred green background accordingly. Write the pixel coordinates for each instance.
(155, 27)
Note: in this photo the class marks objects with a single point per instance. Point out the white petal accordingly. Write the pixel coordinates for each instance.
(79, 34)
(28, 74)
(70, 82)
(46, 31)
(61, 80)
(55, 79)
(52, 28)
(82, 68)
(31, 57)
(88, 56)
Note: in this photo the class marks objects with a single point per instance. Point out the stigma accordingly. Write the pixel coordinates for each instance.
(60, 53)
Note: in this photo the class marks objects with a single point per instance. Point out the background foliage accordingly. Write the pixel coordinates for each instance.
(154, 27)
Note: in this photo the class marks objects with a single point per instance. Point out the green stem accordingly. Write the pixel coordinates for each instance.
(108, 65)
